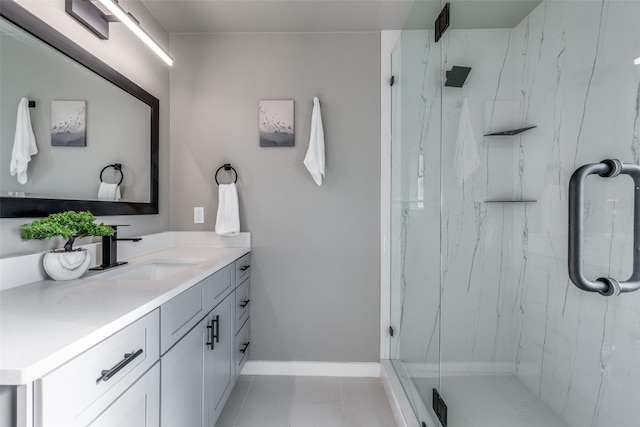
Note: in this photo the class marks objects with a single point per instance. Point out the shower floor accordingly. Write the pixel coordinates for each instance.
(489, 401)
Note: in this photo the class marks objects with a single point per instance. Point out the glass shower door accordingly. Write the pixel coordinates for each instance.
(415, 218)
(521, 345)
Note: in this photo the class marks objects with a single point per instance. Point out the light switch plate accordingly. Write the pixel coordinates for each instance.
(198, 215)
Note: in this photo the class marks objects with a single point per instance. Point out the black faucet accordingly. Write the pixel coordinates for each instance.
(110, 249)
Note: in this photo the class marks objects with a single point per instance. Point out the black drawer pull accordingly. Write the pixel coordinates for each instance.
(210, 342)
(244, 303)
(108, 373)
(214, 333)
(246, 346)
(246, 267)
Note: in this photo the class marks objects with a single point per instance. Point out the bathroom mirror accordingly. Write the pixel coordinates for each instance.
(87, 117)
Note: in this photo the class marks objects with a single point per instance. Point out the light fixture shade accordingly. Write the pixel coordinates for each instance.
(125, 18)
(637, 61)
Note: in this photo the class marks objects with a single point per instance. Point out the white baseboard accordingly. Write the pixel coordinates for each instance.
(312, 369)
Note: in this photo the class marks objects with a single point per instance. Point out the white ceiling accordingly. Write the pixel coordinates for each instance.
(231, 16)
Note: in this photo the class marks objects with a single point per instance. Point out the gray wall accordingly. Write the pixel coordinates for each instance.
(128, 55)
(315, 273)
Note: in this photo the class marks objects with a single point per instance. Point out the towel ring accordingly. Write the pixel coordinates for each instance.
(116, 166)
(226, 167)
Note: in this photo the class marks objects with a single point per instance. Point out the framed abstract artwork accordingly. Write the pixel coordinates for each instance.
(276, 123)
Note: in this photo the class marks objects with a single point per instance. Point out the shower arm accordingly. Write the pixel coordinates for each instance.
(606, 286)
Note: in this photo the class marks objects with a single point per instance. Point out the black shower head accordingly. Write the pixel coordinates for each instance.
(457, 76)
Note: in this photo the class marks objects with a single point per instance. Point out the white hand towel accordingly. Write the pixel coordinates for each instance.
(228, 218)
(466, 159)
(314, 160)
(108, 191)
(24, 143)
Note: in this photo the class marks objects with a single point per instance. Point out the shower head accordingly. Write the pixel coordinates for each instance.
(457, 76)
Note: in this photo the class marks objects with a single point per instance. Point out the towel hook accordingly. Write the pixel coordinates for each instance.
(116, 166)
(227, 167)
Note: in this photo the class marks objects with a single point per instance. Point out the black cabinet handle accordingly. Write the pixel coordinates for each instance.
(214, 331)
(244, 303)
(106, 374)
(246, 346)
(246, 267)
(216, 320)
(210, 341)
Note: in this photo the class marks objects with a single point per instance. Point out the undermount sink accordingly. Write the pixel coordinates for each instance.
(153, 270)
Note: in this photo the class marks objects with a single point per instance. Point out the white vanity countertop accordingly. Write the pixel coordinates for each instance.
(45, 324)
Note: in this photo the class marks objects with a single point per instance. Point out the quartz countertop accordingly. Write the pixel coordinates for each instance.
(46, 323)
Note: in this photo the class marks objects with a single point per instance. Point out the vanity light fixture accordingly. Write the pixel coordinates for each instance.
(135, 28)
(637, 61)
(85, 12)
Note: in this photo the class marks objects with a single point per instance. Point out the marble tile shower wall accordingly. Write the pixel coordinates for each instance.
(477, 316)
(574, 67)
(507, 304)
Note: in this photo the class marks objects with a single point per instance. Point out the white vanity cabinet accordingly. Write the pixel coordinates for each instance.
(199, 371)
(173, 367)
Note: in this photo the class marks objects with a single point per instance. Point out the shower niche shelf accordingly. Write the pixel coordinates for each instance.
(511, 132)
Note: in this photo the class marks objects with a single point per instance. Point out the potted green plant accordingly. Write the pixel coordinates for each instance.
(67, 263)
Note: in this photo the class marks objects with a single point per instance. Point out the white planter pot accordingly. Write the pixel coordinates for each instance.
(66, 265)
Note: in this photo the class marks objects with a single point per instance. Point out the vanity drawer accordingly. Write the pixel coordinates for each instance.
(242, 303)
(243, 268)
(139, 406)
(220, 285)
(107, 369)
(242, 347)
(180, 314)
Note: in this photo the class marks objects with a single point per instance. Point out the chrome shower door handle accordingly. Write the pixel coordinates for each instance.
(606, 286)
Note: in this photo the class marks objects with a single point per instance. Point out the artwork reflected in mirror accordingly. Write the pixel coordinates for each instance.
(68, 123)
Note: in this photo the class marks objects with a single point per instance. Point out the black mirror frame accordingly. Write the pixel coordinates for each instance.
(18, 207)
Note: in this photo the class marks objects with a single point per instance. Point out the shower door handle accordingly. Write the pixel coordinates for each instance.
(606, 286)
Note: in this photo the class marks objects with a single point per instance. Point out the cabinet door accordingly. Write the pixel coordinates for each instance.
(183, 379)
(219, 365)
(139, 406)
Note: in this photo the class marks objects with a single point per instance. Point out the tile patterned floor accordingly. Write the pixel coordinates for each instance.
(282, 401)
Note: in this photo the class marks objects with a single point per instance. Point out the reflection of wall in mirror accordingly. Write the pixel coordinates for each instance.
(117, 124)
